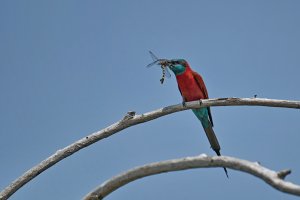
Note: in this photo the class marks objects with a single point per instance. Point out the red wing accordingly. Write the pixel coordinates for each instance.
(202, 87)
(183, 99)
(200, 83)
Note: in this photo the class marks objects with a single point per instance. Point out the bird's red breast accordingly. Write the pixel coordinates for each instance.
(191, 85)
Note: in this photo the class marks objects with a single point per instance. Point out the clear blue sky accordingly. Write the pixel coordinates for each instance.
(69, 68)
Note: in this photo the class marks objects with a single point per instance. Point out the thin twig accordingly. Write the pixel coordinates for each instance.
(132, 120)
(202, 161)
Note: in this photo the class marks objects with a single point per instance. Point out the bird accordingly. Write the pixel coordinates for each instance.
(192, 88)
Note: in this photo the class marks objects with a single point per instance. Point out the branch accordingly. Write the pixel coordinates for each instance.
(274, 179)
(130, 120)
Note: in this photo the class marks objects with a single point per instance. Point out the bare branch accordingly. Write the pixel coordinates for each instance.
(283, 173)
(270, 177)
(130, 120)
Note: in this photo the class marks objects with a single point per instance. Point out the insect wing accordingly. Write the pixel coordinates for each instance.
(153, 63)
(168, 74)
(154, 57)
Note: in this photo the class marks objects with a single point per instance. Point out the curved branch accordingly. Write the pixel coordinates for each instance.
(275, 179)
(130, 120)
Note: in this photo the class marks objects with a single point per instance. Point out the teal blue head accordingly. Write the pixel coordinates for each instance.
(178, 66)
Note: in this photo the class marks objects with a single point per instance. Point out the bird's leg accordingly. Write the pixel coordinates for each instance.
(200, 102)
(183, 102)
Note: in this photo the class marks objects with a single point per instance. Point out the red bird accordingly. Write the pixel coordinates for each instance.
(192, 88)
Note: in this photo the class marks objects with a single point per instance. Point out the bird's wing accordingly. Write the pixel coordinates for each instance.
(183, 99)
(202, 87)
(201, 84)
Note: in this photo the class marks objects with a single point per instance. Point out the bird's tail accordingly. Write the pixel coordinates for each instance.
(212, 138)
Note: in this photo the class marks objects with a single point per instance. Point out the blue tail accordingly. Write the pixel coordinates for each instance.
(203, 116)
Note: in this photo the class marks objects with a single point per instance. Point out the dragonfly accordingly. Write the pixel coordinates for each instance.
(164, 63)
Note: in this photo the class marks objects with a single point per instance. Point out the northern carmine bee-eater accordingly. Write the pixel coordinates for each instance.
(192, 88)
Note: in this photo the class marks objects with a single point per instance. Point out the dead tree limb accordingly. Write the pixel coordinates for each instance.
(130, 120)
(274, 179)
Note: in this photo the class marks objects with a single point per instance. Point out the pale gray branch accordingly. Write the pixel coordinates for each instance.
(202, 161)
(129, 120)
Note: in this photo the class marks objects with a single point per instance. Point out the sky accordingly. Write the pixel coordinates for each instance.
(70, 68)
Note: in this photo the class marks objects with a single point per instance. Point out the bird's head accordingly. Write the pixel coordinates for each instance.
(178, 66)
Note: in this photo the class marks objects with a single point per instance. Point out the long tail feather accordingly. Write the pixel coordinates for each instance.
(219, 154)
(212, 138)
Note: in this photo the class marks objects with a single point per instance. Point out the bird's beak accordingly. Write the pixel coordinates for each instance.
(171, 64)
(164, 62)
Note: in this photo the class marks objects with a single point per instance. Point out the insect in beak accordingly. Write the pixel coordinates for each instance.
(164, 64)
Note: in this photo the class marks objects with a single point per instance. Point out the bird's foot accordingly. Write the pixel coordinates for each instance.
(200, 102)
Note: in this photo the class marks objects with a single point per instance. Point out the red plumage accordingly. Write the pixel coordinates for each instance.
(192, 87)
